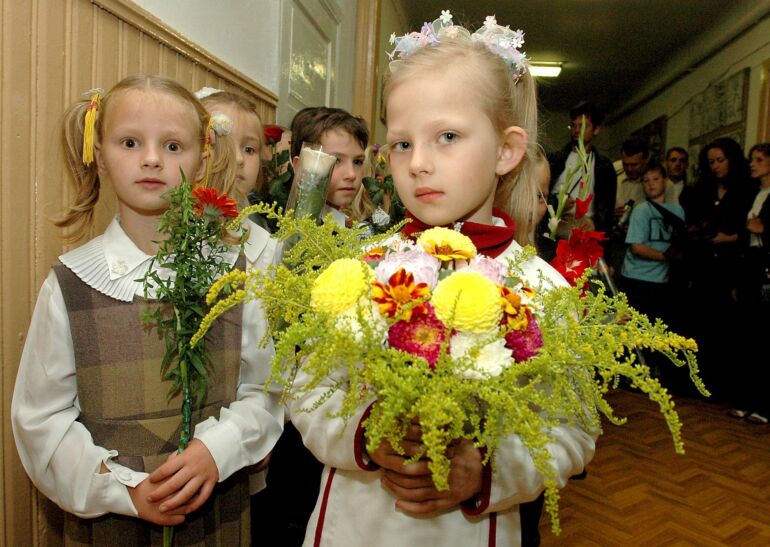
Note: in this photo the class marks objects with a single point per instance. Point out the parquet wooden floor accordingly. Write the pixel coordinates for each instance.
(639, 492)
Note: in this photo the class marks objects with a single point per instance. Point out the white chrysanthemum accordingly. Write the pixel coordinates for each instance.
(349, 321)
(488, 360)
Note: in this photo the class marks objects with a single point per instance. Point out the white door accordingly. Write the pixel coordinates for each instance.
(310, 44)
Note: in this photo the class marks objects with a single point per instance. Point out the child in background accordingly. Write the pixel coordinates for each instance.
(247, 134)
(90, 413)
(345, 136)
(462, 136)
(645, 266)
(546, 247)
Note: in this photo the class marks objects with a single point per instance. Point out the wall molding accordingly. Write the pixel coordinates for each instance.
(143, 20)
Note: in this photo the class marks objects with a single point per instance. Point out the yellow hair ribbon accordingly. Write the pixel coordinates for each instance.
(89, 127)
(208, 148)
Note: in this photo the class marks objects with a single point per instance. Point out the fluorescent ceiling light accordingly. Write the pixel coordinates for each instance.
(545, 70)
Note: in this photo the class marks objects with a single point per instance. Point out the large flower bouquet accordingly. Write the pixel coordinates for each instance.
(471, 348)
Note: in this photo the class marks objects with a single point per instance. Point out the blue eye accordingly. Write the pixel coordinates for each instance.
(447, 136)
(249, 150)
(401, 146)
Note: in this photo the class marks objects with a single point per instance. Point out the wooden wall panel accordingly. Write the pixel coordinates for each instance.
(51, 52)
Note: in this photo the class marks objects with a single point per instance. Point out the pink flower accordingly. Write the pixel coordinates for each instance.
(524, 344)
(420, 264)
(421, 336)
(489, 268)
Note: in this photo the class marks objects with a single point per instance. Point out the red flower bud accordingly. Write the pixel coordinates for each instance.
(273, 133)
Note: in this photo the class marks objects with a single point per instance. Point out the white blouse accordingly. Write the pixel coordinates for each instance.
(59, 453)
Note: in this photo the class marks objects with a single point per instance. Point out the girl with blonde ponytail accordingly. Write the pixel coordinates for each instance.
(94, 425)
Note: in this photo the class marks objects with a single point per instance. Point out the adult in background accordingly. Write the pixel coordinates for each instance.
(716, 215)
(748, 393)
(602, 179)
(634, 153)
(677, 163)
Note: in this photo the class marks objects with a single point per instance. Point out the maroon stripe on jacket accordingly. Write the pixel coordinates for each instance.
(492, 529)
(319, 527)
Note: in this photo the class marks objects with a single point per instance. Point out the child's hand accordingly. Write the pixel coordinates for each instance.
(191, 476)
(149, 511)
(412, 483)
(416, 493)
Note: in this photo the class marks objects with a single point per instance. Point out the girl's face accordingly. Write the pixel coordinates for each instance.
(760, 165)
(146, 138)
(349, 169)
(444, 151)
(247, 136)
(718, 163)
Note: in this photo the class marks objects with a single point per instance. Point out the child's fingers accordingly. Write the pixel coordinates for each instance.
(178, 480)
(420, 494)
(172, 465)
(184, 495)
(409, 481)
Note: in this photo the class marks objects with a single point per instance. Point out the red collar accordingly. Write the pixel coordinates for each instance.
(490, 240)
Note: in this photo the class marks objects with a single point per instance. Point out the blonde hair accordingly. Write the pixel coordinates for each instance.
(507, 102)
(247, 106)
(362, 206)
(85, 178)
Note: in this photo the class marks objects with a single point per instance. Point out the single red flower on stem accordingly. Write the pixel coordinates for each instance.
(208, 202)
(273, 133)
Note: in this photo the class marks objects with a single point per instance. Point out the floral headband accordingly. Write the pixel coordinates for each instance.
(502, 41)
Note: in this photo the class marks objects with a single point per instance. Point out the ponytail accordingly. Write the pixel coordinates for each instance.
(84, 178)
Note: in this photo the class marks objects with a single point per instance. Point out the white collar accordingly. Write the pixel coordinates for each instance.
(111, 263)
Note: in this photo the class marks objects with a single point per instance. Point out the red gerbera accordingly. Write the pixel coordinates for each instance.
(422, 336)
(210, 204)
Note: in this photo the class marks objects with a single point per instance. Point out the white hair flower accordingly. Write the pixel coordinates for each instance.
(502, 41)
(204, 92)
(221, 123)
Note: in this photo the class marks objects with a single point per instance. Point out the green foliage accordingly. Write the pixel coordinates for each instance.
(193, 252)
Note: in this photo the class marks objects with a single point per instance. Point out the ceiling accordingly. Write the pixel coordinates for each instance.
(614, 51)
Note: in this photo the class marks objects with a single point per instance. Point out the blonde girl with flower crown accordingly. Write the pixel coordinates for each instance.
(462, 133)
(92, 422)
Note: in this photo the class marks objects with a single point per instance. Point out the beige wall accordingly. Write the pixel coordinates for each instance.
(392, 19)
(52, 51)
(750, 50)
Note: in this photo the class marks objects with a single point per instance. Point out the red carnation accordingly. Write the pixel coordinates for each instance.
(209, 203)
(273, 133)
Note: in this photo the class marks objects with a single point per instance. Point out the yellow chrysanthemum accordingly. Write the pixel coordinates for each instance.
(446, 244)
(339, 287)
(468, 301)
